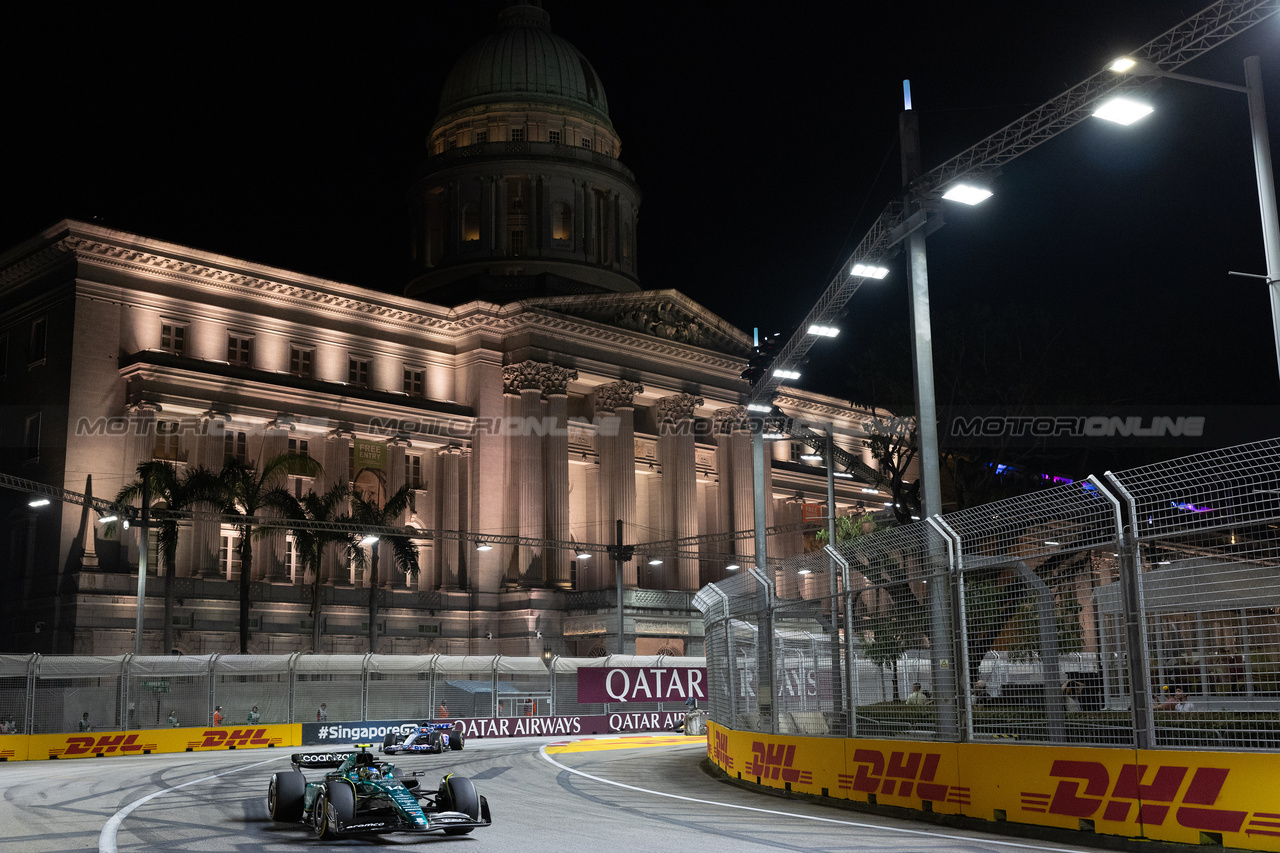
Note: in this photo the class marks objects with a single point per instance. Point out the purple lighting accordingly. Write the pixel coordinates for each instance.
(1190, 507)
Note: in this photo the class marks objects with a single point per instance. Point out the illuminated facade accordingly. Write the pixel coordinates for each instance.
(521, 387)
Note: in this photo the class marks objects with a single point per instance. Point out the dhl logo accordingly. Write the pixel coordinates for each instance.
(720, 751)
(233, 738)
(773, 761)
(1155, 794)
(102, 745)
(904, 774)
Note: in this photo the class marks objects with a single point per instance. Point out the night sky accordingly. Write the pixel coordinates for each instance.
(763, 139)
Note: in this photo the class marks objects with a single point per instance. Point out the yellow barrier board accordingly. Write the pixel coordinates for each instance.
(1187, 797)
(13, 747)
(147, 741)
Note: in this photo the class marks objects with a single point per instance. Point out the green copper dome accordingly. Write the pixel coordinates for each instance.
(524, 61)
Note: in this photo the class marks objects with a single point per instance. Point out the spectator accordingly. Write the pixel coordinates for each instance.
(173, 719)
(690, 704)
(217, 716)
(917, 697)
(6, 728)
(85, 725)
(322, 715)
(443, 711)
(1070, 690)
(1179, 702)
(979, 695)
(254, 716)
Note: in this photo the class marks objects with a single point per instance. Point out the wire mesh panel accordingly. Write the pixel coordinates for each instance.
(531, 682)
(241, 682)
(900, 616)
(335, 681)
(164, 688)
(67, 688)
(807, 665)
(15, 672)
(465, 685)
(400, 687)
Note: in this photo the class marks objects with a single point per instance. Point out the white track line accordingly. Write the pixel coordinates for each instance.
(107, 838)
(927, 833)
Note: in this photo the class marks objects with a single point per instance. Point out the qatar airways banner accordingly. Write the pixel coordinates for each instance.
(373, 731)
(641, 683)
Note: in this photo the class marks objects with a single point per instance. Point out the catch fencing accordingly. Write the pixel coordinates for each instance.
(45, 694)
(1140, 609)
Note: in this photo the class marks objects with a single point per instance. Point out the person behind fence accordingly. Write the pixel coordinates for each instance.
(442, 711)
(217, 716)
(1070, 691)
(173, 719)
(1179, 702)
(254, 716)
(917, 696)
(979, 694)
(322, 714)
(85, 725)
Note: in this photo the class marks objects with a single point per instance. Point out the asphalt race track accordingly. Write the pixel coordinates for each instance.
(605, 795)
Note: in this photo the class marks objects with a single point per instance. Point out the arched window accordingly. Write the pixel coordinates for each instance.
(562, 221)
(471, 222)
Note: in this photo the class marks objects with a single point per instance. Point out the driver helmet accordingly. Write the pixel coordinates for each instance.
(370, 773)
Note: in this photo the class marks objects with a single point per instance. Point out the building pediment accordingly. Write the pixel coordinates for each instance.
(665, 314)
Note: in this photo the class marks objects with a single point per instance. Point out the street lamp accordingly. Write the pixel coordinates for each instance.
(1261, 159)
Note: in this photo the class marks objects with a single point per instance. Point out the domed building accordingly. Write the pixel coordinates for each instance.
(524, 390)
(523, 193)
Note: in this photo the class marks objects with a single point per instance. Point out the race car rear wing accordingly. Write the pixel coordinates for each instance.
(319, 759)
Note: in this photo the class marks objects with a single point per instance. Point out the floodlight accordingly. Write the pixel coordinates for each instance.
(369, 540)
(583, 555)
(843, 475)
(1122, 65)
(810, 457)
(757, 407)
(108, 519)
(823, 331)
(37, 501)
(804, 571)
(1122, 110)
(732, 567)
(966, 194)
(655, 561)
(483, 546)
(870, 271)
(786, 374)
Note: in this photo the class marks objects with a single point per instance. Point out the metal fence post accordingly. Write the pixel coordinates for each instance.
(290, 677)
(849, 699)
(29, 707)
(765, 652)
(960, 634)
(1135, 623)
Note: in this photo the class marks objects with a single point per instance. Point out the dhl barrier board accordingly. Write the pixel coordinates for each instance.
(1224, 798)
(147, 741)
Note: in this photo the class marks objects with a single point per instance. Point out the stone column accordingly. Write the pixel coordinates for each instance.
(206, 534)
(680, 478)
(337, 449)
(388, 571)
(268, 558)
(589, 571)
(448, 551)
(725, 421)
(555, 385)
(743, 496)
(526, 380)
(619, 476)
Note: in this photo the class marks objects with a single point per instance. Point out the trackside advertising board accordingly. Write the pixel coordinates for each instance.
(148, 741)
(1184, 797)
(321, 734)
(641, 684)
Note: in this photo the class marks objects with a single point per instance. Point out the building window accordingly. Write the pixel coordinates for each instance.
(239, 349)
(517, 134)
(450, 144)
(553, 136)
(562, 221)
(482, 136)
(301, 360)
(517, 243)
(351, 463)
(470, 222)
(586, 142)
(39, 340)
(31, 438)
(166, 446)
(358, 372)
(413, 470)
(173, 338)
(300, 446)
(293, 559)
(235, 447)
(415, 382)
(229, 555)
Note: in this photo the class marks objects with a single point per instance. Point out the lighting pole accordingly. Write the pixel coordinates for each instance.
(1261, 160)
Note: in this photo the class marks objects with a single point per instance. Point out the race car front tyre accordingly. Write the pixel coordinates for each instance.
(434, 744)
(285, 795)
(458, 794)
(337, 807)
(456, 739)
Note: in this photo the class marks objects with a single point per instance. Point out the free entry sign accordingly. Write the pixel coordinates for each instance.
(641, 683)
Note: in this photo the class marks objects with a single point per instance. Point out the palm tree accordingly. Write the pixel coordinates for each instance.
(244, 491)
(311, 543)
(365, 510)
(161, 483)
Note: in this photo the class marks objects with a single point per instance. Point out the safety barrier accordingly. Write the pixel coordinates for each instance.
(1190, 797)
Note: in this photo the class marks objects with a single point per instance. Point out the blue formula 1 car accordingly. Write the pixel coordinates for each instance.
(427, 738)
(363, 795)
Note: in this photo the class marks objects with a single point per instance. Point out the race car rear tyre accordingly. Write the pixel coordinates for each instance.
(339, 799)
(285, 795)
(458, 794)
(434, 743)
(388, 741)
(456, 738)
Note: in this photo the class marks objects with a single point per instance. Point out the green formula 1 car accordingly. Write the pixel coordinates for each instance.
(364, 795)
